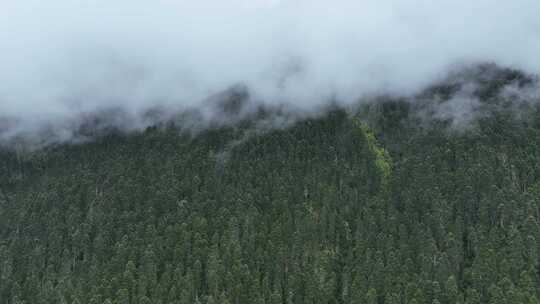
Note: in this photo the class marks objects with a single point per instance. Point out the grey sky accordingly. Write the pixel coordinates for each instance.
(62, 57)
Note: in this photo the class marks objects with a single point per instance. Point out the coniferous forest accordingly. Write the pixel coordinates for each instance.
(384, 203)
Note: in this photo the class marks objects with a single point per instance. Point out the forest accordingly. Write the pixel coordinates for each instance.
(384, 203)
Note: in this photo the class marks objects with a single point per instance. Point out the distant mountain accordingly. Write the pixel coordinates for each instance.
(386, 202)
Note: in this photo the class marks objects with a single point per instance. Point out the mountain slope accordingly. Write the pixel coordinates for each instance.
(319, 212)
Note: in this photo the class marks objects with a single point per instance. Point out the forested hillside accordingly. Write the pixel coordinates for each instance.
(377, 205)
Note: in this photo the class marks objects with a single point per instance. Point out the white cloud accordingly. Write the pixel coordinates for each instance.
(60, 57)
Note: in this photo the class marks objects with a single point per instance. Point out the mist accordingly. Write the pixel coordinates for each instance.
(63, 59)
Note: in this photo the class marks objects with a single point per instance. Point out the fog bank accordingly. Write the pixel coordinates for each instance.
(61, 59)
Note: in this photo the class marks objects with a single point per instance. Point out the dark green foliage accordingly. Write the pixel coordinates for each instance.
(315, 213)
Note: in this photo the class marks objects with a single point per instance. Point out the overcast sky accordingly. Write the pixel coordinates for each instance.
(62, 57)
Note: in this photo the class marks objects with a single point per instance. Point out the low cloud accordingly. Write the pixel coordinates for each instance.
(65, 59)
